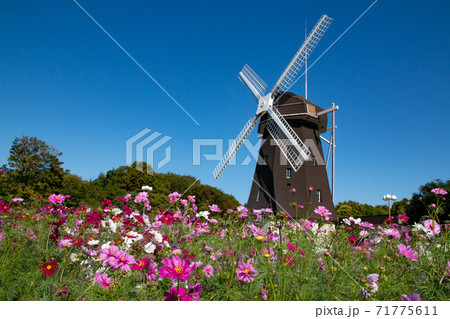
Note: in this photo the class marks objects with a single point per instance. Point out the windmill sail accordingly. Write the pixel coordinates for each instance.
(290, 144)
(234, 147)
(252, 82)
(288, 76)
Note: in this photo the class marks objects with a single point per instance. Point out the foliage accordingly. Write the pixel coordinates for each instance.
(355, 209)
(419, 205)
(34, 168)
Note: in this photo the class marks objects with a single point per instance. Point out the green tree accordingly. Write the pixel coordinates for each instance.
(34, 167)
(420, 202)
(344, 211)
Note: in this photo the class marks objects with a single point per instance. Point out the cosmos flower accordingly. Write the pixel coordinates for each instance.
(56, 199)
(49, 267)
(103, 280)
(176, 268)
(246, 272)
(173, 197)
(214, 208)
(322, 211)
(123, 260)
(439, 191)
(408, 252)
(411, 297)
(432, 227)
(177, 294)
(152, 273)
(208, 270)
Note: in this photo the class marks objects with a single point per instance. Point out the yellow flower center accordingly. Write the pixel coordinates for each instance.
(122, 258)
(49, 267)
(141, 264)
(179, 270)
(246, 270)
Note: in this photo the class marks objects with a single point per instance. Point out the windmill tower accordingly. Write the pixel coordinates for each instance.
(291, 152)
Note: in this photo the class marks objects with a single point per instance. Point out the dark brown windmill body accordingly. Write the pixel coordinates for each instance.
(275, 178)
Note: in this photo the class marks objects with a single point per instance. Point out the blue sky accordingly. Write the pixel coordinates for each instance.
(66, 82)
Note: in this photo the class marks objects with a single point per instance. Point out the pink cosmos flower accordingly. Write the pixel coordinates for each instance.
(439, 191)
(108, 254)
(141, 197)
(411, 297)
(208, 270)
(263, 292)
(122, 260)
(176, 268)
(322, 211)
(366, 225)
(16, 200)
(65, 243)
(152, 271)
(432, 226)
(214, 208)
(216, 255)
(103, 280)
(56, 199)
(246, 272)
(373, 286)
(177, 294)
(403, 216)
(391, 232)
(408, 252)
(173, 197)
(242, 209)
(140, 264)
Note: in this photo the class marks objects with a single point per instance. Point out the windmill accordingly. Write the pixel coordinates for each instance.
(285, 162)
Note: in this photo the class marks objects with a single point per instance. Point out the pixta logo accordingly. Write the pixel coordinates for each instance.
(147, 142)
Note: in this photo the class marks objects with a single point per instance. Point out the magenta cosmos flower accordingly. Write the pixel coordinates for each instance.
(103, 280)
(123, 260)
(439, 191)
(246, 272)
(176, 268)
(152, 271)
(432, 226)
(56, 199)
(208, 270)
(214, 208)
(408, 252)
(322, 211)
(177, 294)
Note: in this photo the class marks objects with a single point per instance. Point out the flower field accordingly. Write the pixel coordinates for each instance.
(127, 250)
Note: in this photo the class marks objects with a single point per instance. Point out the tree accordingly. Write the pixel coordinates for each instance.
(34, 167)
(420, 202)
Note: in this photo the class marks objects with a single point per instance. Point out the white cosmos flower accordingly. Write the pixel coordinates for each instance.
(93, 242)
(204, 214)
(116, 211)
(149, 248)
(147, 188)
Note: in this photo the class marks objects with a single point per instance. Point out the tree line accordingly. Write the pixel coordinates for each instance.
(34, 169)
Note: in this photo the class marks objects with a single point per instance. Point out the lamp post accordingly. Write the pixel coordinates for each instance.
(389, 198)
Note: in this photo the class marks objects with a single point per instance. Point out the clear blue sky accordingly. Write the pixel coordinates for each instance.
(66, 82)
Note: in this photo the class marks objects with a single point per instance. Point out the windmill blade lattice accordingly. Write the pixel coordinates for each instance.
(234, 147)
(252, 82)
(290, 144)
(291, 71)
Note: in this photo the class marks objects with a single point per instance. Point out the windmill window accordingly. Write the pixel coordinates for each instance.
(288, 173)
(319, 196)
(314, 160)
(258, 195)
